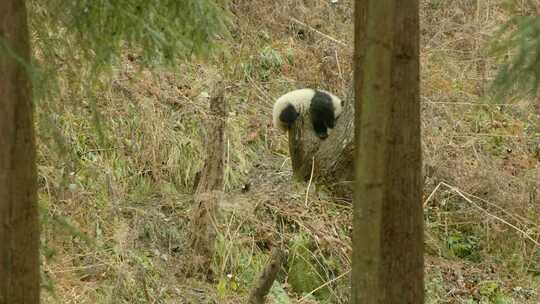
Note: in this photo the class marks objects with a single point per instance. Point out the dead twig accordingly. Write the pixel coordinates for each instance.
(310, 180)
(478, 207)
(323, 285)
(319, 32)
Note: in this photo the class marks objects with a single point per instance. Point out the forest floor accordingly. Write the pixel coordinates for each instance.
(116, 195)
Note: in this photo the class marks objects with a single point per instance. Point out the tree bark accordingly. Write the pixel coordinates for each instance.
(266, 280)
(332, 158)
(388, 220)
(19, 227)
(210, 185)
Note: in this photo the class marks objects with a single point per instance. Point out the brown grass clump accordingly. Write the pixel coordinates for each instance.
(116, 204)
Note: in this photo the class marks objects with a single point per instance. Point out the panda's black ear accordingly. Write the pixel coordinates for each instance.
(288, 115)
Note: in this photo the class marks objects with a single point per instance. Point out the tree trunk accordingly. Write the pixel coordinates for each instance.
(19, 227)
(388, 220)
(210, 185)
(268, 276)
(332, 158)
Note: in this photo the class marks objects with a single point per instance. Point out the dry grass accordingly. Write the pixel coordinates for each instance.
(116, 217)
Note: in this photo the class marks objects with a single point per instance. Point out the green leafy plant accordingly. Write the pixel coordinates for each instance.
(464, 246)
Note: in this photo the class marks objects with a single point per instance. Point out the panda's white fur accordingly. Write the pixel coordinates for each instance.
(325, 108)
(299, 99)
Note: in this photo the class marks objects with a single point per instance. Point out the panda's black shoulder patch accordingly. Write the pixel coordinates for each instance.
(288, 115)
(322, 101)
(322, 113)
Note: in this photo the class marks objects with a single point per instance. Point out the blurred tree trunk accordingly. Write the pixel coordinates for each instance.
(210, 185)
(388, 220)
(19, 228)
(267, 277)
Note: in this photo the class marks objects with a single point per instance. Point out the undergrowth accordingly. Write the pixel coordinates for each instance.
(116, 184)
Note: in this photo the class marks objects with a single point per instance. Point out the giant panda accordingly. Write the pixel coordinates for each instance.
(323, 106)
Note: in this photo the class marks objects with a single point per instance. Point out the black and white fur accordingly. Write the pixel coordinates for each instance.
(323, 106)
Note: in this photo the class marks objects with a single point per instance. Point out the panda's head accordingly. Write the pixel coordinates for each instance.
(328, 102)
(323, 106)
(325, 109)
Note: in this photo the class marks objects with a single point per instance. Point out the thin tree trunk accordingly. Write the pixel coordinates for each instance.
(210, 185)
(388, 221)
(19, 228)
(268, 276)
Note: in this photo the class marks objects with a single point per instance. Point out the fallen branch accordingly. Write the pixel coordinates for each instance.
(260, 291)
